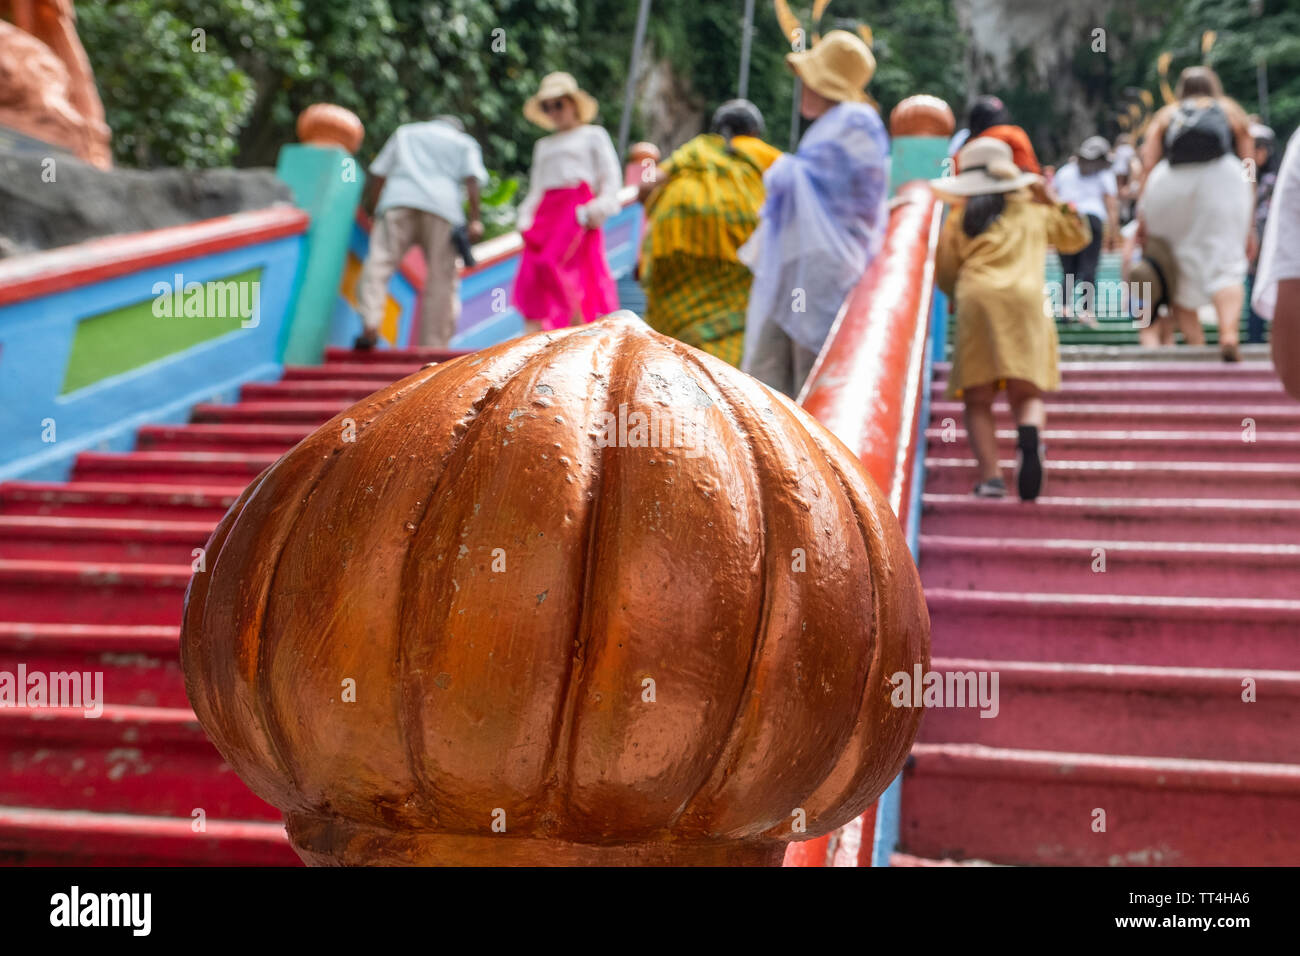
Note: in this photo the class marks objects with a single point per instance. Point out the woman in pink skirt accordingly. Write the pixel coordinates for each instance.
(573, 188)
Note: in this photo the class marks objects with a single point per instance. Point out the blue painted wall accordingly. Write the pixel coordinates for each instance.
(36, 338)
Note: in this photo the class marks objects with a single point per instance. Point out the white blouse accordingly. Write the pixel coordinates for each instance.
(584, 154)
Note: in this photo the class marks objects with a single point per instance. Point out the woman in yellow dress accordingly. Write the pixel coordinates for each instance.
(990, 257)
(701, 206)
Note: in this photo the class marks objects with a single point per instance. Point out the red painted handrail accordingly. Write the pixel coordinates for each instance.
(866, 387)
(56, 270)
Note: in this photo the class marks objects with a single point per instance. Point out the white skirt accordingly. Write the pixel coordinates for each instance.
(1203, 211)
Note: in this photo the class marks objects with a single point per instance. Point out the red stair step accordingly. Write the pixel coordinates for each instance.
(1205, 391)
(141, 663)
(1223, 417)
(1038, 807)
(1185, 712)
(269, 413)
(39, 837)
(1130, 567)
(177, 467)
(352, 371)
(307, 390)
(80, 593)
(1115, 629)
(386, 356)
(1132, 445)
(1156, 480)
(274, 439)
(86, 499)
(1149, 371)
(101, 539)
(128, 760)
(1124, 518)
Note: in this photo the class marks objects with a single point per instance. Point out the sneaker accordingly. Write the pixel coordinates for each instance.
(1030, 453)
(992, 488)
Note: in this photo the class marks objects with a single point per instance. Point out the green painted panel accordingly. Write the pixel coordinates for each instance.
(135, 335)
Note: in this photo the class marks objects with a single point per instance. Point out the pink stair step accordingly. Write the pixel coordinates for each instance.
(269, 412)
(101, 539)
(1186, 712)
(1126, 518)
(1122, 372)
(1102, 566)
(275, 439)
(388, 356)
(1281, 418)
(352, 371)
(127, 760)
(82, 593)
(40, 837)
(344, 392)
(1204, 391)
(85, 499)
(1115, 629)
(1147, 479)
(1133, 445)
(1038, 808)
(141, 663)
(179, 467)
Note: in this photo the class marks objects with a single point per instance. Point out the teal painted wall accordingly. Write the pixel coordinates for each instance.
(916, 157)
(326, 184)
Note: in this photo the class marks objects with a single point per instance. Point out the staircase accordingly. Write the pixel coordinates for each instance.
(92, 579)
(1126, 612)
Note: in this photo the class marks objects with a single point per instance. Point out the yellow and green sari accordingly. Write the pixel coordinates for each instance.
(696, 288)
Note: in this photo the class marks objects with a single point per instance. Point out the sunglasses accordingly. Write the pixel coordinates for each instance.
(554, 106)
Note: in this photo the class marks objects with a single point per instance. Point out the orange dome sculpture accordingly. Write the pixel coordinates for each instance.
(589, 596)
(325, 124)
(922, 115)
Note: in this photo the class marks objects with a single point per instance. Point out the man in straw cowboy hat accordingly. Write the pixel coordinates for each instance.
(573, 188)
(990, 257)
(823, 218)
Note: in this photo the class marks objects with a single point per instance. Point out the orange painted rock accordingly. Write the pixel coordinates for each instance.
(589, 596)
(922, 115)
(324, 124)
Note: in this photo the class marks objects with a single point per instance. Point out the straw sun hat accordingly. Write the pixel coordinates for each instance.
(986, 167)
(839, 67)
(554, 86)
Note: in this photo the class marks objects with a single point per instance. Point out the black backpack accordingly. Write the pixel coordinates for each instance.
(1198, 132)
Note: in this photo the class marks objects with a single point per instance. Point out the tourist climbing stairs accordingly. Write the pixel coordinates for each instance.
(1143, 618)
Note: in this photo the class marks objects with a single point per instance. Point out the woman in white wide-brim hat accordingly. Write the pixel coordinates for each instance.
(990, 257)
(573, 188)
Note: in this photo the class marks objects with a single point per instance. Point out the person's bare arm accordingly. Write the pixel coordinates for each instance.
(475, 225)
(374, 186)
(1153, 144)
(1286, 335)
(650, 181)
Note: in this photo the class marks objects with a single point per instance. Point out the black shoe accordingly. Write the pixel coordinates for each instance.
(364, 342)
(1029, 462)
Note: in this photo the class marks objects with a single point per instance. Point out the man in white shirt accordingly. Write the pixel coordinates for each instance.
(417, 177)
(1276, 294)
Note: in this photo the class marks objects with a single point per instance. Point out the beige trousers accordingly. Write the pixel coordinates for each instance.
(396, 231)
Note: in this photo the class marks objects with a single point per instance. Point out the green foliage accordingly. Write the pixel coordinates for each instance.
(392, 61)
